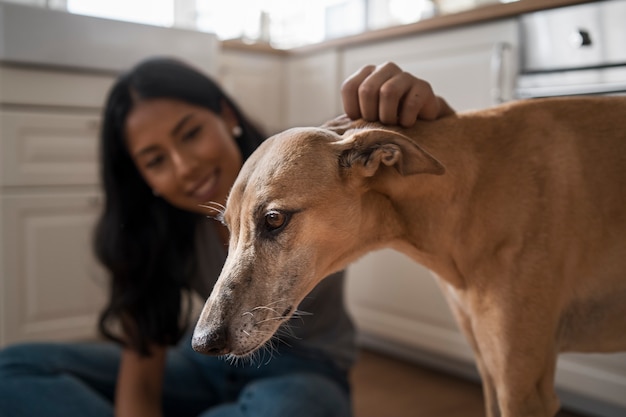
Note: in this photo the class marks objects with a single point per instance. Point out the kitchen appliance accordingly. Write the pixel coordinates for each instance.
(574, 50)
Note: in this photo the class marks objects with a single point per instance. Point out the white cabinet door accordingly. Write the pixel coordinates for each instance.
(472, 67)
(313, 95)
(52, 286)
(256, 82)
(279, 92)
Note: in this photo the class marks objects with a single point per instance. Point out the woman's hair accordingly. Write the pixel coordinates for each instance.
(146, 244)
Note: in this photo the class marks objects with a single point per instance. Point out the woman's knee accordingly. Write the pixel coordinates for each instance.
(19, 359)
(306, 395)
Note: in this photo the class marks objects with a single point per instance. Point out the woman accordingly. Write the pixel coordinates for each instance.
(171, 142)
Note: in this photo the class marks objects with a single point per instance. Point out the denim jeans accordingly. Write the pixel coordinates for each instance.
(54, 379)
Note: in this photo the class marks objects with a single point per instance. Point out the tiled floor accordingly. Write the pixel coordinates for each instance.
(387, 387)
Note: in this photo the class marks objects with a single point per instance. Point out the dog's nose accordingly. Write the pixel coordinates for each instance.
(212, 341)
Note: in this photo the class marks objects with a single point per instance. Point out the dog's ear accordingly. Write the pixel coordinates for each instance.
(340, 124)
(368, 149)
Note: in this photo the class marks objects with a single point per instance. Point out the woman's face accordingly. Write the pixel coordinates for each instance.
(186, 153)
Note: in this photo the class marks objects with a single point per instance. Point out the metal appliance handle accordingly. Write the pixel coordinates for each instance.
(499, 54)
(572, 90)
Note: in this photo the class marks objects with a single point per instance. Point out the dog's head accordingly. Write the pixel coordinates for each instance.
(295, 216)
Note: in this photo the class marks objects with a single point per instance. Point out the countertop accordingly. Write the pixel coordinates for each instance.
(477, 15)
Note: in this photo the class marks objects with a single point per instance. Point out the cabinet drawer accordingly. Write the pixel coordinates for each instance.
(48, 149)
(27, 86)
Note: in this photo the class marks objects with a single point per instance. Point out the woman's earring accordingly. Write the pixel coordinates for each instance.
(237, 131)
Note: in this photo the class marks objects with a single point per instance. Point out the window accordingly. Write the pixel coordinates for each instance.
(152, 12)
(284, 23)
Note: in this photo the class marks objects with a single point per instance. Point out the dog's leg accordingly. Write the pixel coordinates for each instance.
(465, 324)
(518, 352)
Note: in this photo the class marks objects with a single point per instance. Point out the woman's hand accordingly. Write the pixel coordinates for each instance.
(387, 94)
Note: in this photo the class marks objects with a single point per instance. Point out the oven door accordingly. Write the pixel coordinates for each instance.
(599, 81)
(574, 50)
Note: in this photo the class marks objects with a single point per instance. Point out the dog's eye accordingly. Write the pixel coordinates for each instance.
(275, 220)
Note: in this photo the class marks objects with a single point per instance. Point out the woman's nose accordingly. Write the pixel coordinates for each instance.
(184, 164)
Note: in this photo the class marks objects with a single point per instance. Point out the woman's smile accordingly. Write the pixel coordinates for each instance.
(204, 190)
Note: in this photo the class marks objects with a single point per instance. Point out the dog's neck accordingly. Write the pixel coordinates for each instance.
(427, 201)
(430, 213)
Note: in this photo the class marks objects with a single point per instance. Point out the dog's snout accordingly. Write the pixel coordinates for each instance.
(211, 341)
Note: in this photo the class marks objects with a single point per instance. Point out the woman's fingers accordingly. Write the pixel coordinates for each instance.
(350, 91)
(390, 95)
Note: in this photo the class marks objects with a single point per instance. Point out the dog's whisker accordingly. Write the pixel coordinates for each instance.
(287, 331)
(302, 313)
(276, 302)
(268, 306)
(270, 349)
(271, 319)
(264, 308)
(218, 208)
(214, 205)
(235, 360)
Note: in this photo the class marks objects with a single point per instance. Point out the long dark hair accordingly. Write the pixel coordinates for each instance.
(146, 244)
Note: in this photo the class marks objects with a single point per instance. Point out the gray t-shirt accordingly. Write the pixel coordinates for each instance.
(327, 330)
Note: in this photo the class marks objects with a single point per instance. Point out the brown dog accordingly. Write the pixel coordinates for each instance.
(519, 210)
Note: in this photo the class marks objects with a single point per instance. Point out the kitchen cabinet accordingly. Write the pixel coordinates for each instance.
(51, 287)
(472, 67)
(313, 88)
(42, 36)
(256, 82)
(279, 91)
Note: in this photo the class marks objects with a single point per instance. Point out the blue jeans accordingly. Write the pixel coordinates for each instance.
(53, 379)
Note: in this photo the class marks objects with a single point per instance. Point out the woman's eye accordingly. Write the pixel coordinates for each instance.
(274, 220)
(154, 162)
(192, 133)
